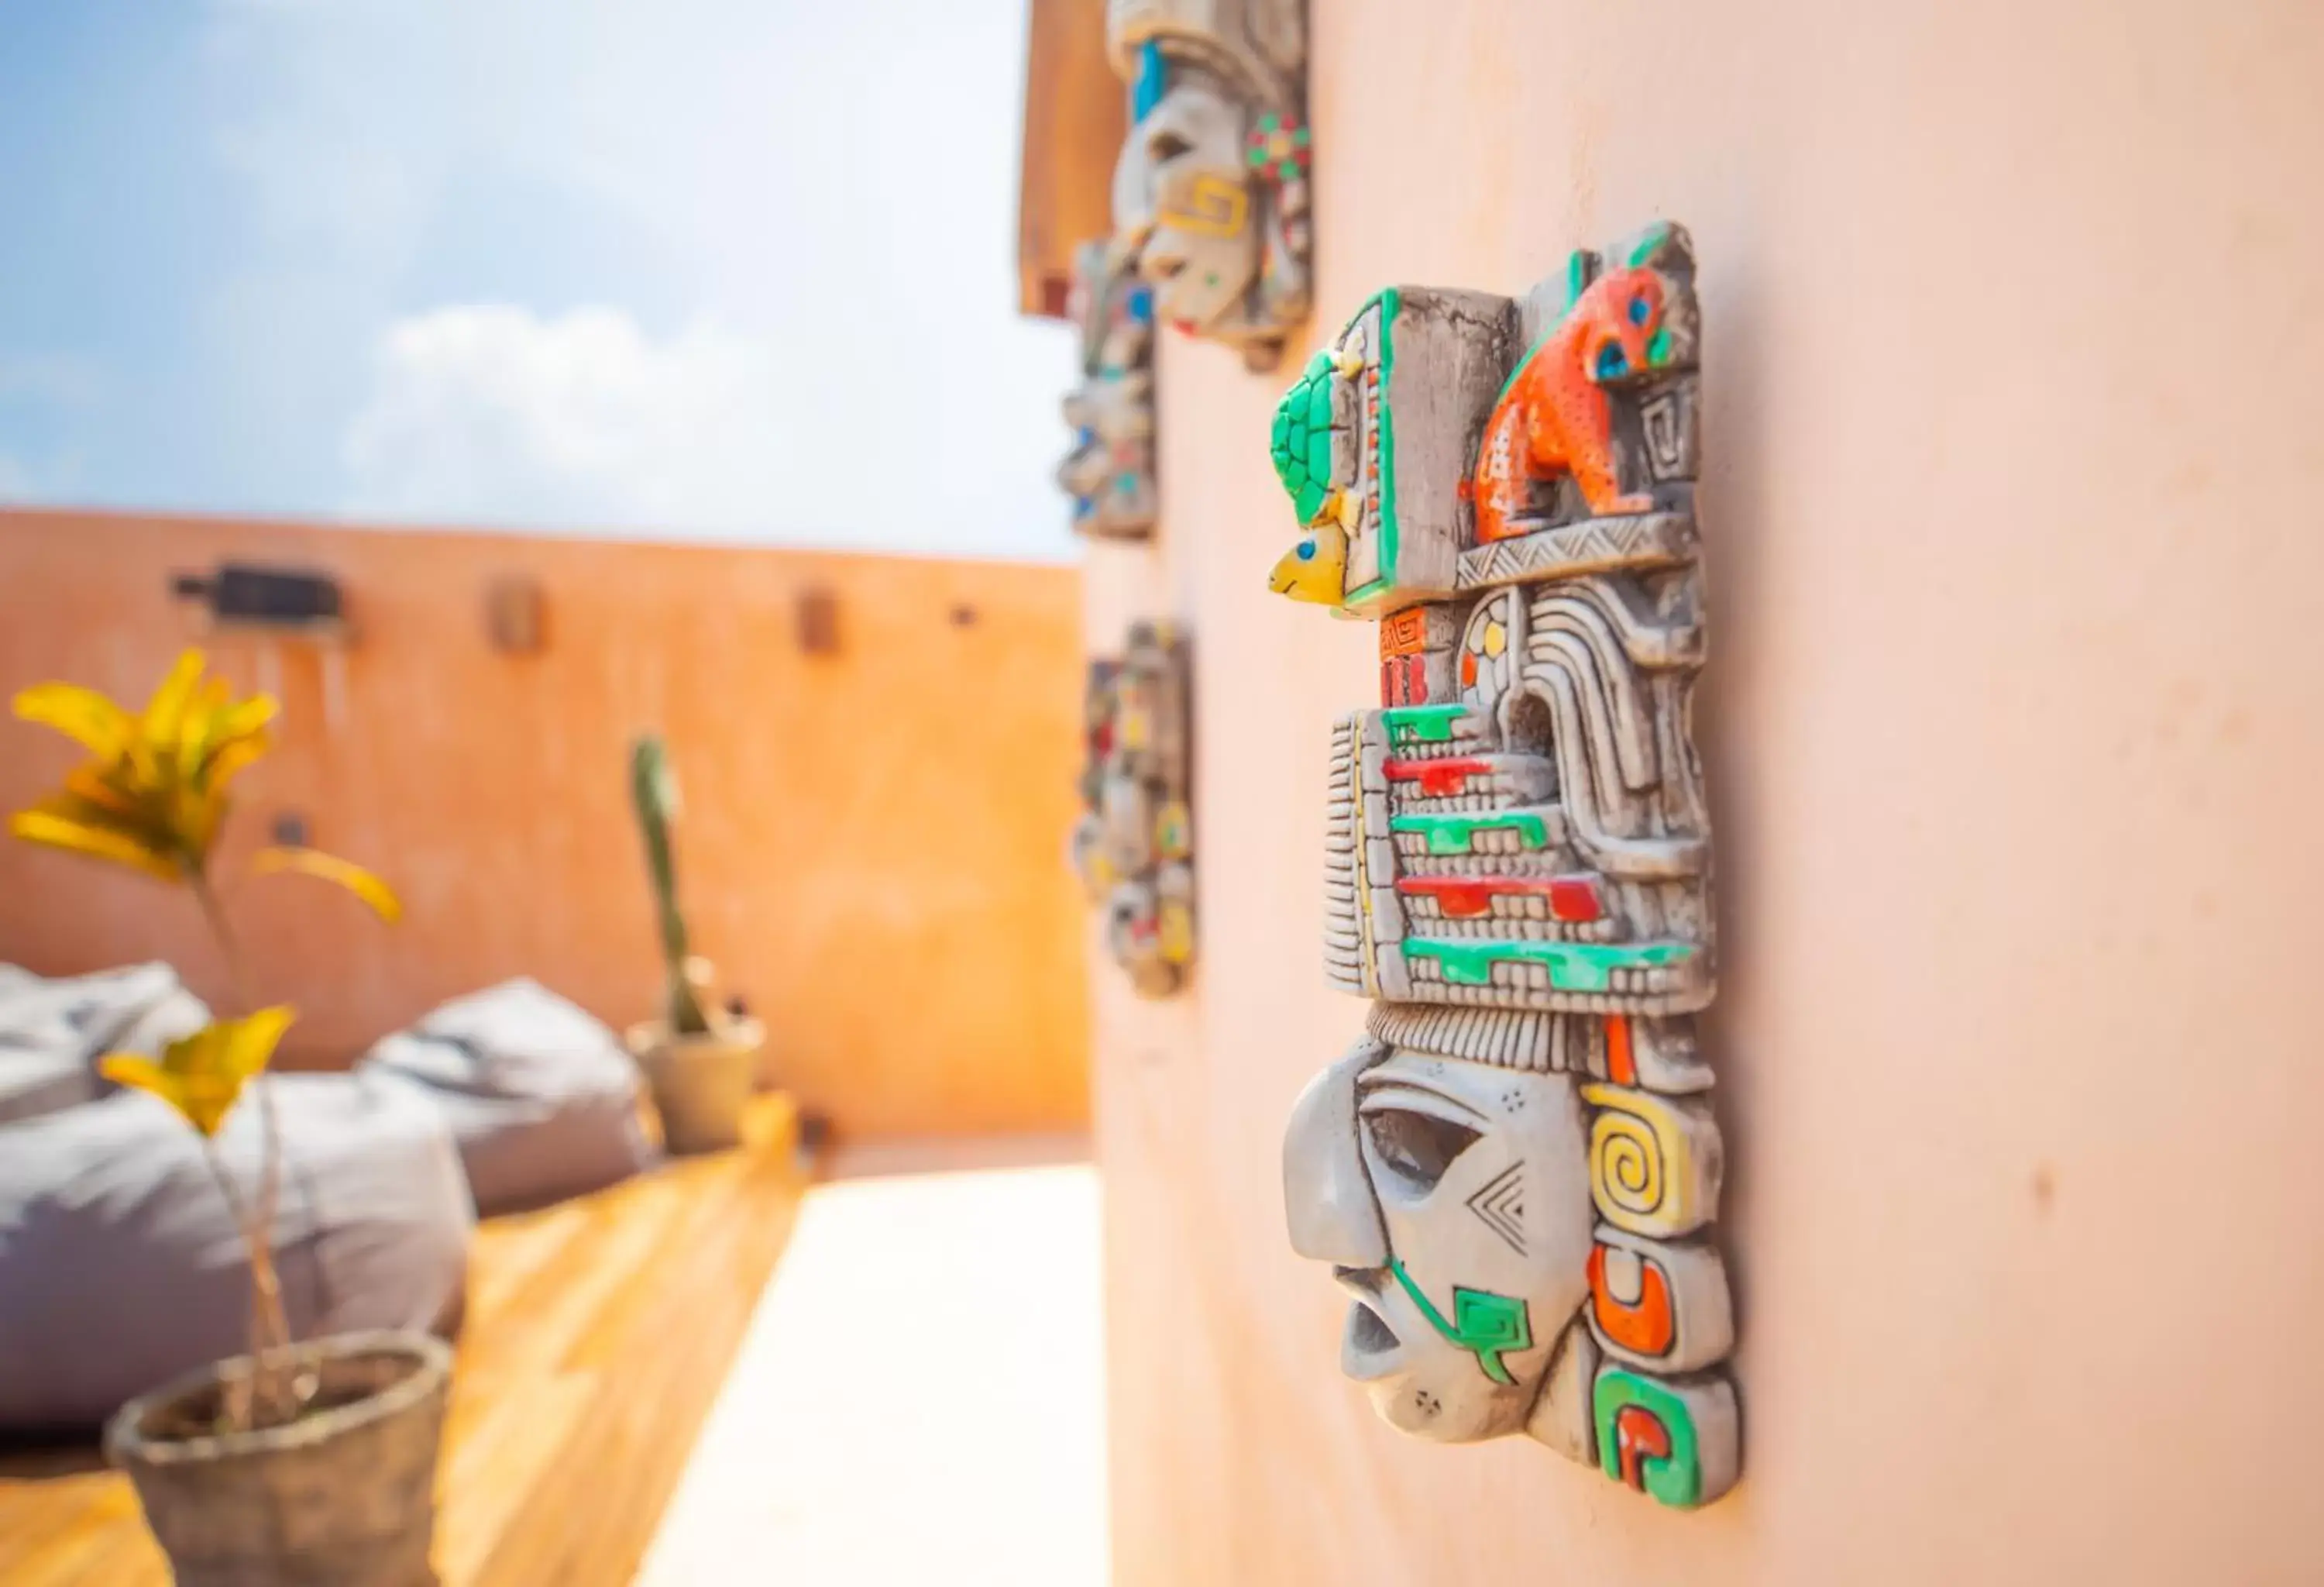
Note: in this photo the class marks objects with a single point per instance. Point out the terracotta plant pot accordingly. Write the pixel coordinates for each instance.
(344, 1496)
(699, 1083)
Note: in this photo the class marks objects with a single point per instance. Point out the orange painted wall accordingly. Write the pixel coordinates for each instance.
(872, 843)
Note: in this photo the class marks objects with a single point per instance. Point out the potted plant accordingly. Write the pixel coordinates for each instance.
(309, 1461)
(700, 1061)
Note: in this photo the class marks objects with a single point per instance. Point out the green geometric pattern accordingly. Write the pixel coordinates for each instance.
(1301, 444)
(1648, 243)
(1390, 303)
(1427, 725)
(1674, 1478)
(1456, 834)
(1573, 966)
(1483, 1322)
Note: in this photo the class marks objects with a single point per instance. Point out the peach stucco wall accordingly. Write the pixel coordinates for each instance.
(872, 843)
(2015, 725)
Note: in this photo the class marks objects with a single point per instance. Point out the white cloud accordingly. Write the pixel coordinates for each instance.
(490, 413)
(798, 220)
(582, 418)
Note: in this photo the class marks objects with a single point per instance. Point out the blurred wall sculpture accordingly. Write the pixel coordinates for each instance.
(1110, 472)
(1515, 1171)
(878, 755)
(1134, 844)
(1210, 196)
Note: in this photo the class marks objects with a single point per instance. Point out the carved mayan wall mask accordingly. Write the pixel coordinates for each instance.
(1520, 1225)
(1110, 472)
(1515, 1174)
(1451, 1200)
(1210, 194)
(1134, 844)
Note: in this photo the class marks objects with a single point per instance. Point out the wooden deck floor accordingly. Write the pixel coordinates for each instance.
(597, 1334)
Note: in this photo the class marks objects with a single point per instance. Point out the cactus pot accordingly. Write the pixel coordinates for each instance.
(699, 1083)
(343, 1497)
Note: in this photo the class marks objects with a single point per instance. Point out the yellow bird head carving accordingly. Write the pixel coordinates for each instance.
(1316, 569)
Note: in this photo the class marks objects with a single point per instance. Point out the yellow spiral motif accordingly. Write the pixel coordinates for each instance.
(1653, 1165)
(1626, 1165)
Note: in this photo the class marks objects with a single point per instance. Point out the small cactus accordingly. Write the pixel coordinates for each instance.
(654, 791)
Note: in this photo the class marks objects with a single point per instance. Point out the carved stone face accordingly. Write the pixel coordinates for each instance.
(1182, 197)
(1452, 1201)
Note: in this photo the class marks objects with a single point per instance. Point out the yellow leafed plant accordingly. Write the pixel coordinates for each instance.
(202, 1075)
(154, 797)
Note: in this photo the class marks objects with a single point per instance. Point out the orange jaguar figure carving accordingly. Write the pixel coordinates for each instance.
(1553, 418)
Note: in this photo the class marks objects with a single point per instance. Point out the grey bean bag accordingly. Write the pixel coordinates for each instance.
(542, 1098)
(52, 1032)
(120, 1266)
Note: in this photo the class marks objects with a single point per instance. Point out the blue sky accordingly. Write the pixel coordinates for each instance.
(714, 269)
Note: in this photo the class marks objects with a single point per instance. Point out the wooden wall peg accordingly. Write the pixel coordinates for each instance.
(817, 613)
(515, 616)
